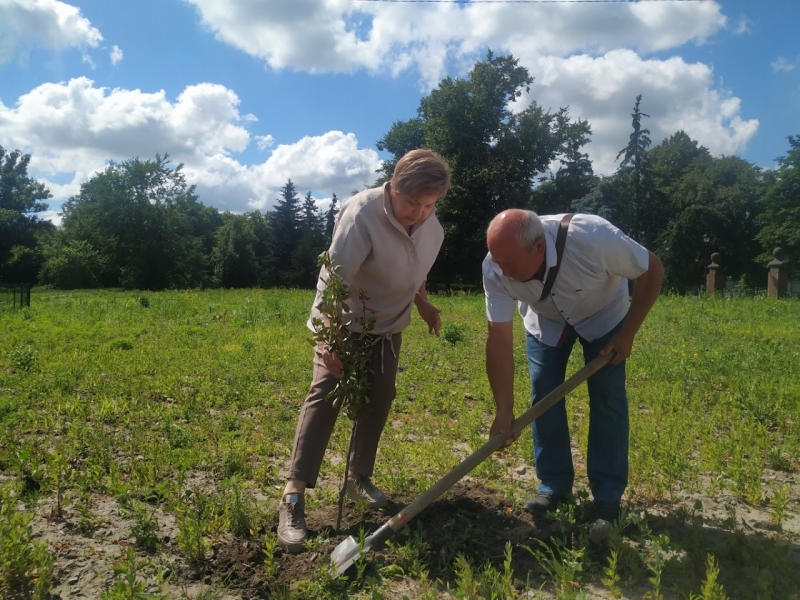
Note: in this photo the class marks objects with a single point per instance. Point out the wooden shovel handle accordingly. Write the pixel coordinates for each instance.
(477, 457)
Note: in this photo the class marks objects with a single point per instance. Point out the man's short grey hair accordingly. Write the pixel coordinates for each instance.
(530, 230)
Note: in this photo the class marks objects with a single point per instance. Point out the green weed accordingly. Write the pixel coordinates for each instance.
(563, 562)
(484, 582)
(778, 503)
(712, 589)
(128, 585)
(452, 333)
(88, 521)
(239, 510)
(409, 557)
(26, 566)
(611, 575)
(655, 562)
(195, 515)
(144, 529)
(271, 564)
(23, 359)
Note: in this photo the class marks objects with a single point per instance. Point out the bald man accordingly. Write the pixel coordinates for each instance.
(569, 275)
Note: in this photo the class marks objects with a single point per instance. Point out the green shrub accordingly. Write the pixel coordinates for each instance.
(452, 333)
(23, 358)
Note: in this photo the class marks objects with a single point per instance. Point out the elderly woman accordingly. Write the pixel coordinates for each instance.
(385, 240)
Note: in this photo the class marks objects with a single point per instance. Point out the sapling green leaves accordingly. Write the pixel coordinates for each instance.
(346, 334)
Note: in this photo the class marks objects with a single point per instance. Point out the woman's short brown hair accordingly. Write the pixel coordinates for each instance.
(421, 172)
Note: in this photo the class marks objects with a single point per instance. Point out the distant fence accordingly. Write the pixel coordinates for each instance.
(733, 289)
(14, 295)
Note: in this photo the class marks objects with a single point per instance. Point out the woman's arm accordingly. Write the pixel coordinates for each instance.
(429, 313)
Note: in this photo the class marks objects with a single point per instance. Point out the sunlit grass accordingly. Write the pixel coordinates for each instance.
(148, 395)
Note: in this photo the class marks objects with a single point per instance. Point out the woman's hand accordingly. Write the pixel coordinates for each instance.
(333, 363)
(431, 315)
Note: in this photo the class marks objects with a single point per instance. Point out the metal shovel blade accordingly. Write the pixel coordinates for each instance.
(345, 554)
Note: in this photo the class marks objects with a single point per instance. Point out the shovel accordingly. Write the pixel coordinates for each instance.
(346, 553)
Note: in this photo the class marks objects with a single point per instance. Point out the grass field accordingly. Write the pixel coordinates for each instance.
(143, 438)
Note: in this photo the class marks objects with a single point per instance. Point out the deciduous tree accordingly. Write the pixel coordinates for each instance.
(21, 199)
(495, 150)
(233, 259)
(138, 216)
(780, 218)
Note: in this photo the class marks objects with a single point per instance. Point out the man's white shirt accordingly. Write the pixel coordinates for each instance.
(590, 292)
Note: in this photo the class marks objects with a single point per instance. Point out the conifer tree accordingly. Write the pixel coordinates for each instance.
(646, 215)
(310, 245)
(285, 227)
(330, 219)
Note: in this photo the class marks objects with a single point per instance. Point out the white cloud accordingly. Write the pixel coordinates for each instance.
(331, 162)
(72, 129)
(676, 95)
(781, 64)
(98, 123)
(344, 36)
(88, 60)
(265, 141)
(743, 25)
(116, 55)
(573, 49)
(47, 23)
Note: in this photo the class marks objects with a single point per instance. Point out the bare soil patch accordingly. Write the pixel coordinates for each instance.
(471, 520)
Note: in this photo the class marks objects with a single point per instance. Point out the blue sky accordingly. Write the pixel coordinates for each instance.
(248, 94)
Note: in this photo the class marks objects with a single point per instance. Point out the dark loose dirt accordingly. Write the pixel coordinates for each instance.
(470, 520)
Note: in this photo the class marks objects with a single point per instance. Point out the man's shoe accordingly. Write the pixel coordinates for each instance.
(292, 532)
(543, 503)
(361, 488)
(600, 531)
(606, 515)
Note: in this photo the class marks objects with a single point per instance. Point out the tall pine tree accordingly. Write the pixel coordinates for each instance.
(309, 246)
(285, 226)
(330, 219)
(646, 215)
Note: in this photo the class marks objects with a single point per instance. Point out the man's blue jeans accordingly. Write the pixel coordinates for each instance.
(607, 460)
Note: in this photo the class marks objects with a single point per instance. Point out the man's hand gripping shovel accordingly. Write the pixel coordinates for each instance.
(346, 553)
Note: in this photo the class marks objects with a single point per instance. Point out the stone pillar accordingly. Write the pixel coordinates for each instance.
(778, 275)
(715, 282)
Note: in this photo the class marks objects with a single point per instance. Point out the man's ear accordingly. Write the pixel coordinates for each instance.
(539, 246)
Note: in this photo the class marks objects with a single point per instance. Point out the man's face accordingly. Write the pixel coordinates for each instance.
(513, 261)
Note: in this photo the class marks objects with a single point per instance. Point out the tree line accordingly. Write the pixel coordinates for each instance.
(139, 225)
